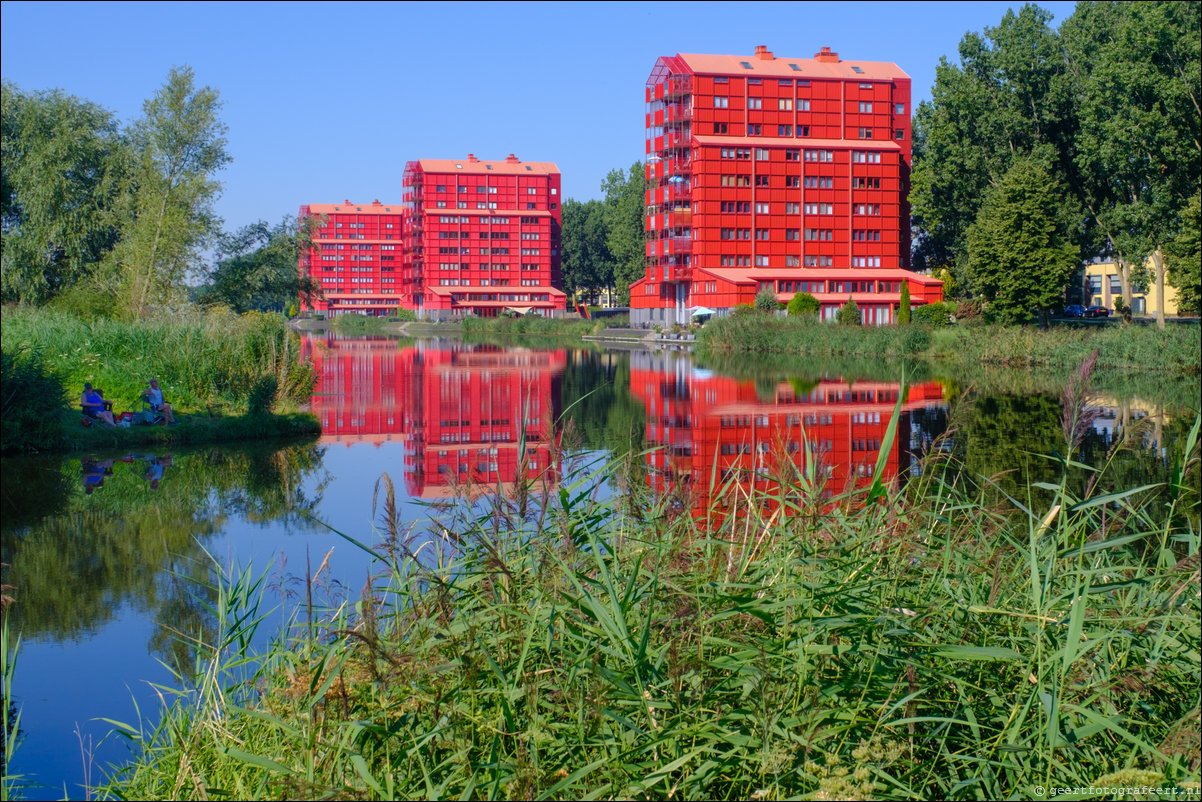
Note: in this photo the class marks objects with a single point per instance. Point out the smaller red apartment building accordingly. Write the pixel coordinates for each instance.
(482, 237)
(355, 258)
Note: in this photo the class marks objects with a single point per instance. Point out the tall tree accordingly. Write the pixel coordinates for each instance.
(180, 145)
(1005, 99)
(1183, 257)
(625, 219)
(1021, 248)
(587, 262)
(1137, 82)
(257, 266)
(62, 166)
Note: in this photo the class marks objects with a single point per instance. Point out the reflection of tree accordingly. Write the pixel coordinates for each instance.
(89, 554)
(597, 398)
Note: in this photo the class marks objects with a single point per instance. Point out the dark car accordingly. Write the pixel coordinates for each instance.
(1074, 310)
(1097, 311)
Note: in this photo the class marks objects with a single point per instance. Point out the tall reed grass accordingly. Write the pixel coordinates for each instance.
(907, 644)
(203, 360)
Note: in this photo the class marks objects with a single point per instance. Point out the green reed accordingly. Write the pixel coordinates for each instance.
(921, 643)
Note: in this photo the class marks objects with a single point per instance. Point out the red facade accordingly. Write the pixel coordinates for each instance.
(482, 237)
(782, 174)
(355, 258)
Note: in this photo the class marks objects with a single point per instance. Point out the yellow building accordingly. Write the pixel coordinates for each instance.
(1102, 286)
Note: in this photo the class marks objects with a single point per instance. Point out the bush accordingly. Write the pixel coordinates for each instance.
(765, 301)
(933, 314)
(33, 401)
(804, 304)
(261, 399)
(849, 314)
(903, 307)
(743, 310)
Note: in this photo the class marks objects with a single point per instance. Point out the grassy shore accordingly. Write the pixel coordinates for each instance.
(882, 644)
(1175, 350)
(226, 376)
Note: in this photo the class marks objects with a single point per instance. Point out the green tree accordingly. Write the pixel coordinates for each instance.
(257, 266)
(903, 305)
(625, 218)
(803, 304)
(1020, 249)
(1005, 99)
(587, 262)
(62, 169)
(1137, 79)
(848, 314)
(180, 144)
(1183, 257)
(765, 301)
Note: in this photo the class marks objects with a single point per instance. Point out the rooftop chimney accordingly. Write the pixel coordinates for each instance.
(511, 159)
(826, 55)
(762, 52)
(471, 157)
(348, 203)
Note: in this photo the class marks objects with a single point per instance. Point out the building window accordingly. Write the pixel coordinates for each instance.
(792, 155)
(755, 130)
(865, 107)
(784, 104)
(792, 261)
(761, 154)
(784, 130)
(899, 108)
(755, 103)
(721, 102)
(719, 128)
(792, 234)
(761, 208)
(793, 181)
(865, 157)
(762, 234)
(761, 180)
(761, 261)
(792, 208)
(865, 133)
(899, 133)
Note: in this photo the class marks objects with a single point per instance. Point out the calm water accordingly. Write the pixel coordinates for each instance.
(103, 552)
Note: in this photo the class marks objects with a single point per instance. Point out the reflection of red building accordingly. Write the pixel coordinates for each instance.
(464, 413)
(705, 424)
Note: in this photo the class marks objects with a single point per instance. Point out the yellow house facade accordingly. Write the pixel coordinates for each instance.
(1101, 287)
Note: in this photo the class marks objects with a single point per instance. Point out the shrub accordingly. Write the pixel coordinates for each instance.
(849, 314)
(803, 304)
(933, 314)
(743, 310)
(765, 301)
(903, 307)
(33, 400)
(261, 398)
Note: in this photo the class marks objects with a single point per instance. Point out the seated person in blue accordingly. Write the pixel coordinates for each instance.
(92, 404)
(154, 397)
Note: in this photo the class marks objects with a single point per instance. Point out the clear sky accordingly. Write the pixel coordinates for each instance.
(327, 101)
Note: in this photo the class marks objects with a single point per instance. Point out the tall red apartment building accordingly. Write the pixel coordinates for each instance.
(774, 173)
(355, 258)
(482, 237)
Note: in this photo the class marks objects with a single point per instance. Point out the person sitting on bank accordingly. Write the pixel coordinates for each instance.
(92, 403)
(154, 397)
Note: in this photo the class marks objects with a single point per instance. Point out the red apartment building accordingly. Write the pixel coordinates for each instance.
(355, 258)
(784, 174)
(482, 237)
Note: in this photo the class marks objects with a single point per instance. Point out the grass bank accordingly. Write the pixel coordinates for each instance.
(534, 324)
(1176, 350)
(925, 645)
(225, 375)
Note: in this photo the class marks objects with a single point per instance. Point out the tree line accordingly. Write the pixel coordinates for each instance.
(602, 240)
(1043, 148)
(108, 220)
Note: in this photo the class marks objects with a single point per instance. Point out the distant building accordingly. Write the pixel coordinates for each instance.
(1102, 286)
(780, 174)
(482, 237)
(355, 258)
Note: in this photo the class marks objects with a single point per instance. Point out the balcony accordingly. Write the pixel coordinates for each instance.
(680, 273)
(680, 245)
(677, 113)
(680, 217)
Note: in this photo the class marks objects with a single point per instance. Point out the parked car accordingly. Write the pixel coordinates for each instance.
(1097, 311)
(1074, 310)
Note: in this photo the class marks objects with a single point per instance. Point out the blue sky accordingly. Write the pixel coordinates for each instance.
(327, 101)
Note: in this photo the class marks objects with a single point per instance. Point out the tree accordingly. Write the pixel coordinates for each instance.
(625, 218)
(803, 304)
(1183, 257)
(1137, 79)
(848, 314)
(1021, 250)
(587, 262)
(765, 301)
(1006, 98)
(903, 305)
(257, 266)
(63, 164)
(180, 144)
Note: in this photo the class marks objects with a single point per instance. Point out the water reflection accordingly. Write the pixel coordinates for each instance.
(826, 431)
